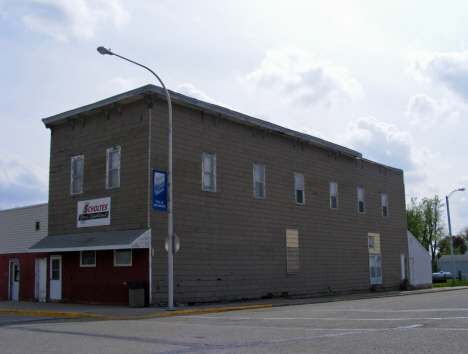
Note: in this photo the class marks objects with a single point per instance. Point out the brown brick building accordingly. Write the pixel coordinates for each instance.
(260, 210)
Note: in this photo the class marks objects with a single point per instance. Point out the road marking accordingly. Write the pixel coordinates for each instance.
(103, 317)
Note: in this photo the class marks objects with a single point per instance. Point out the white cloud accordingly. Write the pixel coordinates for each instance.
(82, 19)
(384, 143)
(312, 132)
(299, 77)
(424, 111)
(191, 91)
(449, 69)
(21, 181)
(118, 85)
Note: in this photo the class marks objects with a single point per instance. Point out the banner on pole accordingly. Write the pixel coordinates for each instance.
(159, 190)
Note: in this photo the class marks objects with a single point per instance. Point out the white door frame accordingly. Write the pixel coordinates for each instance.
(55, 276)
(13, 280)
(404, 266)
(40, 289)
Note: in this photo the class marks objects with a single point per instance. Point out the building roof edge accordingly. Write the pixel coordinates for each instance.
(176, 97)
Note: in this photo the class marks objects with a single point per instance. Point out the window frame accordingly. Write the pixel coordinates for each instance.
(384, 200)
(297, 189)
(87, 264)
(108, 170)
(262, 182)
(211, 173)
(371, 242)
(332, 195)
(123, 264)
(73, 177)
(361, 199)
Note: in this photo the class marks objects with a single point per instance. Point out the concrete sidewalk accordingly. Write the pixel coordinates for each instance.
(66, 310)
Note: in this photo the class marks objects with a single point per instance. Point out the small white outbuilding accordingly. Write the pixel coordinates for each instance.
(420, 268)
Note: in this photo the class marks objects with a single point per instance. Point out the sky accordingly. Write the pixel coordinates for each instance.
(388, 79)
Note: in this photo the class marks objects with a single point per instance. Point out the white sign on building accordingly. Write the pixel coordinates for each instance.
(95, 212)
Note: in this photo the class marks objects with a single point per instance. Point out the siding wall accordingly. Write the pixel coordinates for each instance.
(233, 246)
(129, 202)
(18, 228)
(27, 274)
(420, 267)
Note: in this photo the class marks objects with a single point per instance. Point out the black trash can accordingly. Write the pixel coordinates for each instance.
(136, 294)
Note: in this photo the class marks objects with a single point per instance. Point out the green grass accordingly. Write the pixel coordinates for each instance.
(449, 283)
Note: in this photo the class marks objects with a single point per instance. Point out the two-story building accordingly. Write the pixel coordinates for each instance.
(260, 210)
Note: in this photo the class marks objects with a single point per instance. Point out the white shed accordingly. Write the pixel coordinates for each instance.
(420, 268)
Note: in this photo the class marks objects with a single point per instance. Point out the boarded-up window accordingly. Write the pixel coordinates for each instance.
(374, 242)
(292, 251)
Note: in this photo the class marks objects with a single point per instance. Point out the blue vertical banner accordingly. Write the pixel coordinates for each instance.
(159, 190)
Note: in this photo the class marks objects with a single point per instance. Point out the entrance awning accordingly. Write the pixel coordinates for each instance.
(109, 240)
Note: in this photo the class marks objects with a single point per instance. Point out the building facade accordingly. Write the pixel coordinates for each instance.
(260, 210)
(22, 275)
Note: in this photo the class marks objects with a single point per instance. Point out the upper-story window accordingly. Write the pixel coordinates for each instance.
(333, 195)
(384, 205)
(299, 185)
(113, 168)
(360, 196)
(77, 167)
(208, 172)
(259, 181)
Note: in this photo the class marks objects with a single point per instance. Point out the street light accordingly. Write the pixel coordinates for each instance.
(170, 225)
(450, 231)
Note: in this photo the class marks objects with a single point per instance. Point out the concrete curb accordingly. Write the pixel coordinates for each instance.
(290, 302)
(102, 317)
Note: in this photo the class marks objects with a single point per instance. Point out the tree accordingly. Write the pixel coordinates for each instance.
(463, 233)
(424, 221)
(415, 220)
(459, 246)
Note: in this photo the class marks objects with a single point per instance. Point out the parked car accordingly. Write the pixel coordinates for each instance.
(439, 277)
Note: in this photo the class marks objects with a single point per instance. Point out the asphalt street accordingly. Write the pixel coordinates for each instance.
(427, 322)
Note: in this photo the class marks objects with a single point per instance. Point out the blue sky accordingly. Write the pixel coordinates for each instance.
(389, 80)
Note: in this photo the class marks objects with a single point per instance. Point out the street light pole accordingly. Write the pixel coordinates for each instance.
(170, 225)
(450, 231)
